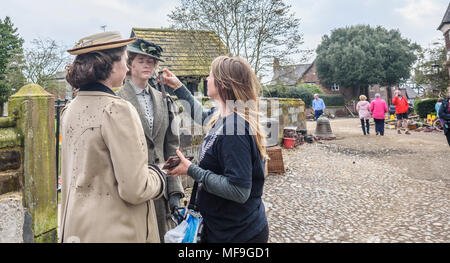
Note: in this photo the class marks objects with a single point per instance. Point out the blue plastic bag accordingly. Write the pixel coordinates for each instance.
(188, 231)
(191, 230)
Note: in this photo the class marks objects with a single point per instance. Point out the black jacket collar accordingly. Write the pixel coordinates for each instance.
(97, 87)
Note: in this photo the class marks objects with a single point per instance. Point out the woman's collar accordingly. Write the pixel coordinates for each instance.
(97, 87)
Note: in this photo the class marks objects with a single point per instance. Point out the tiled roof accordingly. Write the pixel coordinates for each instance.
(446, 18)
(289, 75)
(410, 93)
(186, 52)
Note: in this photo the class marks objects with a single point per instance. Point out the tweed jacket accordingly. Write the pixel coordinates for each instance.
(162, 141)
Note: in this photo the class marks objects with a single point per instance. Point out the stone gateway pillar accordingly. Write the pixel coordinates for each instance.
(35, 117)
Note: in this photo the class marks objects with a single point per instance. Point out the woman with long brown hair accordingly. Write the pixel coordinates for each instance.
(230, 168)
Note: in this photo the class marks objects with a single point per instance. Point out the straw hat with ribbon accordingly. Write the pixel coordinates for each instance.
(100, 41)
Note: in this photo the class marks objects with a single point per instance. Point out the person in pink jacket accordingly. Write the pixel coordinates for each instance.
(378, 107)
(363, 108)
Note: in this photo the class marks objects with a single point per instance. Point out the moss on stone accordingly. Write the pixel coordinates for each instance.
(9, 137)
(31, 90)
(6, 122)
(34, 108)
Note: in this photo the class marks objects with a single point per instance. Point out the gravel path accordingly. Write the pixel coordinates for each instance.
(328, 195)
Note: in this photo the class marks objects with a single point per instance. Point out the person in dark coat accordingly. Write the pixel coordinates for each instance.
(444, 113)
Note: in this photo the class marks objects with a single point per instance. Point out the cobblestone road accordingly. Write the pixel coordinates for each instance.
(331, 196)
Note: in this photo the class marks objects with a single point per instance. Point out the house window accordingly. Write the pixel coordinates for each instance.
(335, 87)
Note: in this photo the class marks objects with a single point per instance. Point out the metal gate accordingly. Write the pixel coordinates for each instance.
(59, 104)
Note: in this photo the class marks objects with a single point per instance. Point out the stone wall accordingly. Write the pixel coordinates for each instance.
(11, 182)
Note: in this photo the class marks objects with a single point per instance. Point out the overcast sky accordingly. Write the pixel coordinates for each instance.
(68, 20)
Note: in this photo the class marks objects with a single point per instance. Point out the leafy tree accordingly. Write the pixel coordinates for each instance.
(358, 56)
(423, 74)
(257, 30)
(11, 60)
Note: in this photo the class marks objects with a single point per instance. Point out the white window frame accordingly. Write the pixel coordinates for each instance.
(335, 87)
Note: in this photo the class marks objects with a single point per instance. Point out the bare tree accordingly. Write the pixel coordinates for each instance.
(258, 30)
(43, 60)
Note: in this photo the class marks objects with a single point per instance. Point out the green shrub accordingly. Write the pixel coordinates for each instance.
(311, 87)
(424, 107)
(331, 100)
(279, 91)
(276, 91)
(301, 93)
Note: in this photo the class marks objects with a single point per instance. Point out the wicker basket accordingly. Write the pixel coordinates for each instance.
(275, 162)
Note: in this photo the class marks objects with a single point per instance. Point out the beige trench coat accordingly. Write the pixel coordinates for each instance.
(162, 141)
(106, 182)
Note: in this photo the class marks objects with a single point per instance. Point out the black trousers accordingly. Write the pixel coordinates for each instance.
(262, 237)
(448, 137)
(366, 126)
(379, 126)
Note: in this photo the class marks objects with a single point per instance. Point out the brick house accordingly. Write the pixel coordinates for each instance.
(405, 89)
(306, 73)
(294, 75)
(444, 27)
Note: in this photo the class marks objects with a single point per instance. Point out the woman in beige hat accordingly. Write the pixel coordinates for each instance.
(157, 113)
(107, 185)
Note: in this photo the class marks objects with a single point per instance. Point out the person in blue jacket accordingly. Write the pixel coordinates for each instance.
(318, 106)
(230, 169)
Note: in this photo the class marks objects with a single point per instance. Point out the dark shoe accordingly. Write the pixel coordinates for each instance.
(377, 133)
(399, 132)
(407, 132)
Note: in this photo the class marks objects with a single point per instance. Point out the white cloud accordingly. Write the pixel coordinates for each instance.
(69, 20)
(420, 12)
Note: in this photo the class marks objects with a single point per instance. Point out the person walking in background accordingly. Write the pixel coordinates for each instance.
(230, 170)
(436, 107)
(157, 113)
(401, 110)
(318, 106)
(444, 113)
(378, 107)
(363, 108)
(107, 184)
